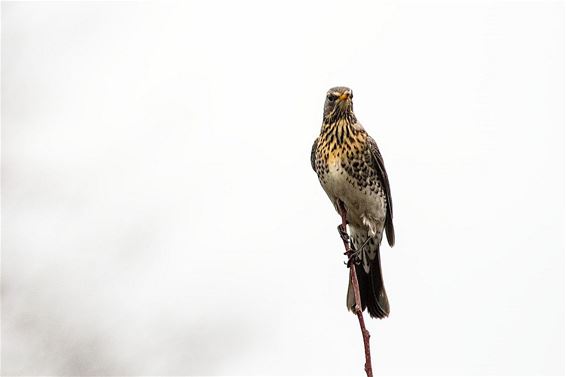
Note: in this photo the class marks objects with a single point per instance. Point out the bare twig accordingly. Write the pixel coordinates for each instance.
(357, 298)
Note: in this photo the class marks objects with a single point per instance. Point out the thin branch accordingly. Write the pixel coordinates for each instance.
(358, 310)
(357, 298)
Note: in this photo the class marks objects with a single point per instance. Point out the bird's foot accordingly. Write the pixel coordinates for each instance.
(354, 257)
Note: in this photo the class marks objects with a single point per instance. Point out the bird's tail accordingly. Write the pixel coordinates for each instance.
(370, 280)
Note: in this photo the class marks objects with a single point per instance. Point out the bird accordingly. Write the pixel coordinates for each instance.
(351, 171)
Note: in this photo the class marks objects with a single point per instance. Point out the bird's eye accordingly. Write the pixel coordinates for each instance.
(331, 97)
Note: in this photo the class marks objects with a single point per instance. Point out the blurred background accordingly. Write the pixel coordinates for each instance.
(160, 215)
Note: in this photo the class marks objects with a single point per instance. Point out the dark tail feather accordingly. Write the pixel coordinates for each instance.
(372, 291)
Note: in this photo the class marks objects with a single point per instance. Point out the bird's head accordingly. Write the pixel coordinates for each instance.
(338, 102)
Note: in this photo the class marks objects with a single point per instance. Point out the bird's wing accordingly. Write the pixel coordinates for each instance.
(380, 167)
(313, 154)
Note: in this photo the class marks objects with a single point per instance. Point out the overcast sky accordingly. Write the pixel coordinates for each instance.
(160, 215)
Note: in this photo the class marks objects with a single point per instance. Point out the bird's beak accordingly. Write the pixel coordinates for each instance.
(345, 96)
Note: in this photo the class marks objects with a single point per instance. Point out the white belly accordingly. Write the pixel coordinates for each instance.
(365, 208)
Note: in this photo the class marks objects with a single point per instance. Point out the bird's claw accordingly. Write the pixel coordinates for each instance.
(352, 254)
(353, 257)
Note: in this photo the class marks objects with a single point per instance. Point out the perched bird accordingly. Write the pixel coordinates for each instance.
(351, 171)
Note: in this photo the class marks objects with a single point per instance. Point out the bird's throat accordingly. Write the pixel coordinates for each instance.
(339, 139)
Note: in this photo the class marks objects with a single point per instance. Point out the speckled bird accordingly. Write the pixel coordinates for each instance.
(351, 171)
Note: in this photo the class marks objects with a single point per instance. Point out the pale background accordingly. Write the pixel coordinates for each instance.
(160, 215)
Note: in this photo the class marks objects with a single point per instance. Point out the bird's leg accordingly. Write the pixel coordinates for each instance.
(343, 234)
(353, 255)
(342, 227)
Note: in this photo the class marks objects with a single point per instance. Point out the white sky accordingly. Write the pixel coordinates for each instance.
(160, 215)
